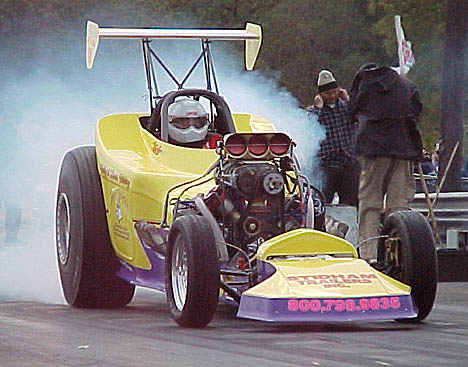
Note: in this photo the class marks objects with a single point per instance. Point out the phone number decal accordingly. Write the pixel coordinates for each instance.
(341, 305)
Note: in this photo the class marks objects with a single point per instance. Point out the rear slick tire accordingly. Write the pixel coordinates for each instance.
(87, 263)
(192, 272)
(414, 259)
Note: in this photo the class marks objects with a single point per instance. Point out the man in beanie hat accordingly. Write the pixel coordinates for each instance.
(337, 153)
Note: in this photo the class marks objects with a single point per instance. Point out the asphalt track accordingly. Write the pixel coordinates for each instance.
(37, 329)
(143, 334)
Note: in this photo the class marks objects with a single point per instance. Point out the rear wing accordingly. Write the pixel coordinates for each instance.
(252, 35)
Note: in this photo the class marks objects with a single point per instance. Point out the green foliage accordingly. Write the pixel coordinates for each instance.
(300, 37)
(424, 25)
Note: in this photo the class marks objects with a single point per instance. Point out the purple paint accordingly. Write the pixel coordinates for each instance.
(277, 310)
(153, 278)
(265, 270)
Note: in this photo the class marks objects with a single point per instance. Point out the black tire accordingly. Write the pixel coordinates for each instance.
(87, 263)
(415, 258)
(192, 271)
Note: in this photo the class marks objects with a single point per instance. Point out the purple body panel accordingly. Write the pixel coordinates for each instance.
(153, 278)
(280, 310)
(265, 270)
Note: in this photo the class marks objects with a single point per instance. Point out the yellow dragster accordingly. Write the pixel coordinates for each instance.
(236, 221)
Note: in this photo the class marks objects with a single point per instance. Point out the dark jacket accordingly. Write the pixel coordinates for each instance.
(388, 108)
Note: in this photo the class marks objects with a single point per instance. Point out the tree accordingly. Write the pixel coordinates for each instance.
(427, 42)
(453, 83)
(301, 38)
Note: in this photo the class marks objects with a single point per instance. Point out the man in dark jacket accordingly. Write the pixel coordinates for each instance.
(387, 107)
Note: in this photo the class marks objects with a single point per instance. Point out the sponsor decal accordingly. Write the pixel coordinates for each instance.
(342, 305)
(118, 212)
(113, 175)
(157, 148)
(121, 232)
(333, 280)
(119, 199)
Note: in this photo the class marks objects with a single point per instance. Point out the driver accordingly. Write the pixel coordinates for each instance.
(188, 125)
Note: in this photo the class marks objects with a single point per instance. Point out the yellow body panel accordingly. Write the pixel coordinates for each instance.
(326, 278)
(252, 123)
(137, 170)
(321, 276)
(305, 242)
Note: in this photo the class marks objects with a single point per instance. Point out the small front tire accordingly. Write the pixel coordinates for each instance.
(192, 272)
(409, 255)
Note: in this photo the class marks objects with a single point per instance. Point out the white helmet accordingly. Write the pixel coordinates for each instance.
(188, 121)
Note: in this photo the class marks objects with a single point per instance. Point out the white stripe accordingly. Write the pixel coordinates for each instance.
(215, 34)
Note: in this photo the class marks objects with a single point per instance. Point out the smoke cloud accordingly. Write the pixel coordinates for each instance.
(52, 109)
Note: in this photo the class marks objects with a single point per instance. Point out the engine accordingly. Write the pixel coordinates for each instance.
(260, 192)
(250, 199)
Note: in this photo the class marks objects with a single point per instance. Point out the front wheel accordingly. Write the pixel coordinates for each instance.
(409, 255)
(192, 271)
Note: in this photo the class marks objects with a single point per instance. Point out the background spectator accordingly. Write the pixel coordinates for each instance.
(427, 166)
(337, 155)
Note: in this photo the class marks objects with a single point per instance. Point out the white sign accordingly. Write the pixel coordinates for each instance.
(405, 54)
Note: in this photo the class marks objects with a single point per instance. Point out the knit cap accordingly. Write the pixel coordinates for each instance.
(326, 81)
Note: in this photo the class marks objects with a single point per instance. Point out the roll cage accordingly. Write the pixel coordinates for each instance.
(221, 119)
(150, 56)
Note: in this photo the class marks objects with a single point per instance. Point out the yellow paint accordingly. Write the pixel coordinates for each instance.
(252, 123)
(305, 241)
(337, 282)
(139, 169)
(320, 275)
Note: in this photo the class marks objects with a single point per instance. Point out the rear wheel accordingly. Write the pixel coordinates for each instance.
(87, 263)
(192, 271)
(409, 255)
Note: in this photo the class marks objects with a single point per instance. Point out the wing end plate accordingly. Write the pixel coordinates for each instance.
(92, 41)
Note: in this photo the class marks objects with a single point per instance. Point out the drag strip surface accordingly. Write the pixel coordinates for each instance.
(143, 333)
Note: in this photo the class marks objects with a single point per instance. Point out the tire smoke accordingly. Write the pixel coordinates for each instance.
(53, 106)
